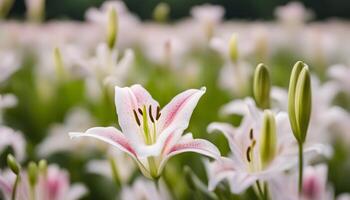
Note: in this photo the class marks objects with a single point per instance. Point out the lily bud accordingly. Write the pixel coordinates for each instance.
(161, 12)
(261, 86)
(42, 165)
(233, 48)
(112, 28)
(13, 164)
(32, 173)
(268, 139)
(299, 100)
(5, 7)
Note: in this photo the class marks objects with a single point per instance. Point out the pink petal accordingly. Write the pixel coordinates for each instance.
(178, 112)
(109, 135)
(188, 144)
(127, 100)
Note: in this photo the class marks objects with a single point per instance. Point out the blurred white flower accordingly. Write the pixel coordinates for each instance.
(244, 167)
(54, 184)
(152, 136)
(124, 166)
(340, 74)
(57, 140)
(10, 63)
(314, 186)
(208, 16)
(143, 189)
(128, 24)
(13, 139)
(293, 13)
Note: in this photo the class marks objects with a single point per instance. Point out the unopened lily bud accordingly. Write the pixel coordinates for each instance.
(233, 48)
(5, 6)
(112, 28)
(13, 164)
(299, 100)
(161, 12)
(261, 86)
(268, 138)
(42, 165)
(32, 173)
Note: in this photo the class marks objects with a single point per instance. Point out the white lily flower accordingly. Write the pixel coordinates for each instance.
(244, 167)
(150, 135)
(314, 186)
(57, 140)
(143, 189)
(55, 184)
(13, 139)
(124, 166)
(105, 69)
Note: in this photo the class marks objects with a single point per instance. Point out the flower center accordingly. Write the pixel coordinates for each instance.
(148, 130)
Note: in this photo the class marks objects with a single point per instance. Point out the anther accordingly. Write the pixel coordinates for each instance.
(251, 136)
(248, 154)
(158, 113)
(150, 113)
(136, 118)
(253, 143)
(140, 111)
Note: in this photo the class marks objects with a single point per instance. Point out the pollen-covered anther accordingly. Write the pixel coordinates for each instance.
(140, 111)
(251, 134)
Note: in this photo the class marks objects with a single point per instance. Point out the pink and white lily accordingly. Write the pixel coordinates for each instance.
(151, 135)
(52, 185)
(244, 167)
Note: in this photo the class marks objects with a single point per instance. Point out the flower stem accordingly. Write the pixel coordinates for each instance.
(14, 191)
(300, 167)
(115, 172)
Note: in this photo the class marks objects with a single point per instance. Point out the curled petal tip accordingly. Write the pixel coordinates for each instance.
(204, 89)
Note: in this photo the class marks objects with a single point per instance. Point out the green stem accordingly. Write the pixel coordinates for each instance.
(115, 173)
(260, 191)
(300, 167)
(14, 191)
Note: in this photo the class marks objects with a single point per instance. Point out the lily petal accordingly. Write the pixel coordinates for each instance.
(188, 144)
(109, 135)
(178, 111)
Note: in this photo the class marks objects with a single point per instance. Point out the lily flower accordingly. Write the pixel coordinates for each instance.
(315, 185)
(143, 189)
(52, 184)
(151, 135)
(13, 139)
(245, 166)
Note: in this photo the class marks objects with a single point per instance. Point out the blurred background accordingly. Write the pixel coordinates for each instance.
(235, 9)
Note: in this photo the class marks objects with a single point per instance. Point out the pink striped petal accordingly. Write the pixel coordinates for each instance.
(109, 135)
(178, 111)
(188, 144)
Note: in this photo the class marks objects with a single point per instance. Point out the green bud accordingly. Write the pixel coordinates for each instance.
(5, 7)
(42, 165)
(261, 86)
(299, 100)
(161, 12)
(112, 28)
(233, 48)
(268, 139)
(13, 164)
(303, 102)
(32, 173)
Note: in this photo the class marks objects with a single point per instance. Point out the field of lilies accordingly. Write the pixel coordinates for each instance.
(114, 107)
